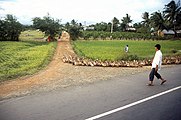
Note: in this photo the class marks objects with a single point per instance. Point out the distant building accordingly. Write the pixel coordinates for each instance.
(168, 32)
(171, 32)
(131, 29)
(178, 33)
(88, 28)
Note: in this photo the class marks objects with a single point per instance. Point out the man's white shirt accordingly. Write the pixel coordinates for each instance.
(157, 60)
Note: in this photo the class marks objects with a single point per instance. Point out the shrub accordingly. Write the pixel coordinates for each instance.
(174, 51)
(127, 57)
(122, 35)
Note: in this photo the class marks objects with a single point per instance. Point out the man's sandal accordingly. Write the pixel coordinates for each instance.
(162, 82)
(150, 84)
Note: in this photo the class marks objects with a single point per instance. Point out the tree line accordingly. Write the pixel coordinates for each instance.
(169, 18)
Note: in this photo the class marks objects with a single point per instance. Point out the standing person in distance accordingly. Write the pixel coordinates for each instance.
(126, 48)
(156, 66)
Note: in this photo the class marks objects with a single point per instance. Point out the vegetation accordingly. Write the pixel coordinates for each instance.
(24, 57)
(95, 35)
(48, 25)
(113, 26)
(10, 29)
(172, 14)
(158, 20)
(31, 53)
(74, 29)
(30, 35)
(114, 50)
(170, 18)
(125, 22)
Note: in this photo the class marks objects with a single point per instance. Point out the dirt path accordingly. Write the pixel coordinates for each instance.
(60, 75)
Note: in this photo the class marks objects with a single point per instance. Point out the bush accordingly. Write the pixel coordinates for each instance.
(174, 51)
(74, 33)
(129, 57)
(121, 35)
(95, 35)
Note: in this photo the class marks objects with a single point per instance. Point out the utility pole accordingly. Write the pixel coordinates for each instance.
(84, 25)
(112, 27)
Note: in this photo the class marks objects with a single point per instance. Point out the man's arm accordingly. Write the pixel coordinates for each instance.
(156, 69)
(156, 60)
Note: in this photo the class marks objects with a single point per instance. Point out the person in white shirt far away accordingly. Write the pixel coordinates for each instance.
(126, 48)
(156, 66)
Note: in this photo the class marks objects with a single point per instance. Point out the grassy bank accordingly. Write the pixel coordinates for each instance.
(114, 50)
(24, 58)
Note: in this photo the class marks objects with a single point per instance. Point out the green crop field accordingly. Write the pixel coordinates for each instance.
(30, 35)
(114, 49)
(24, 57)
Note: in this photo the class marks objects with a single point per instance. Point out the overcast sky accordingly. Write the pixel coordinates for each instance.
(91, 11)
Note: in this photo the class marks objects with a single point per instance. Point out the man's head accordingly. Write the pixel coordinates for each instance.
(157, 46)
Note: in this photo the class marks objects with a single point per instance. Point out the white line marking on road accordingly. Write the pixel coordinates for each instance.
(132, 104)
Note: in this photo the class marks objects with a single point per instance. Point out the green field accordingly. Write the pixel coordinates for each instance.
(24, 58)
(30, 35)
(114, 50)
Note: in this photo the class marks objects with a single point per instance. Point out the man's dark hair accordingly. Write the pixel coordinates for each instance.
(158, 46)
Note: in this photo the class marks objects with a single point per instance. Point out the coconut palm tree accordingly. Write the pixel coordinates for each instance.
(125, 21)
(172, 13)
(178, 21)
(146, 20)
(158, 20)
(116, 24)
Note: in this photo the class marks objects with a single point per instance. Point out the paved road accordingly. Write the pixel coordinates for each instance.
(82, 102)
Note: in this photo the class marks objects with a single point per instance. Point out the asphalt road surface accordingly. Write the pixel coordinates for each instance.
(91, 100)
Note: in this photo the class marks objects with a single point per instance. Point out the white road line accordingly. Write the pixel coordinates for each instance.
(132, 104)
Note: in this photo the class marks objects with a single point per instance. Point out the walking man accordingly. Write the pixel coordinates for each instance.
(156, 66)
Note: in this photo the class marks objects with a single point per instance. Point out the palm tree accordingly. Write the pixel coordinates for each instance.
(158, 20)
(178, 21)
(125, 21)
(115, 23)
(146, 21)
(172, 13)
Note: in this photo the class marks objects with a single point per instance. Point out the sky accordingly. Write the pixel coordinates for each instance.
(82, 11)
